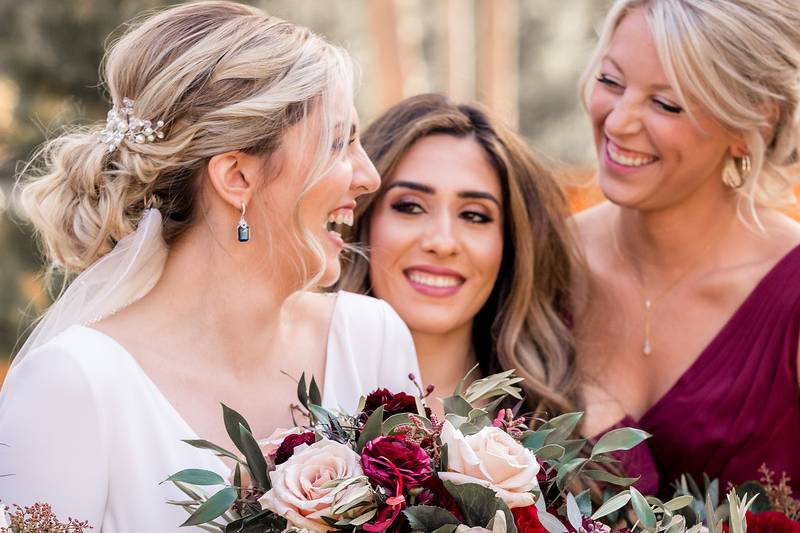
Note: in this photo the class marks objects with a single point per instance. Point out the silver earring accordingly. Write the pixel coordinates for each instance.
(243, 230)
(747, 166)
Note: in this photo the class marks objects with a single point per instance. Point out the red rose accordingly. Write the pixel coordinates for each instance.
(435, 494)
(384, 458)
(527, 520)
(286, 449)
(393, 404)
(768, 522)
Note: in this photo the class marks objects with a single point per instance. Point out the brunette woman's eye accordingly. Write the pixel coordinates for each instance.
(669, 108)
(605, 80)
(407, 208)
(476, 218)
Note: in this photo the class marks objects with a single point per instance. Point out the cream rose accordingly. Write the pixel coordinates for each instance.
(298, 486)
(491, 458)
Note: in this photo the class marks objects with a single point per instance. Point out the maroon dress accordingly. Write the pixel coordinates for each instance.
(738, 405)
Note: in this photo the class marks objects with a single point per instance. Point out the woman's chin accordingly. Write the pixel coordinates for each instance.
(333, 270)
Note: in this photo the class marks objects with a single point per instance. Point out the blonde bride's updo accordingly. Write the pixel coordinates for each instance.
(222, 76)
(740, 61)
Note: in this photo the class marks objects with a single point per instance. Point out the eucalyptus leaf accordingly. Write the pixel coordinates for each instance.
(232, 422)
(302, 391)
(565, 470)
(619, 440)
(477, 503)
(255, 459)
(676, 525)
(550, 452)
(214, 507)
(371, 429)
(206, 445)
(584, 501)
(572, 448)
(314, 395)
(196, 476)
(602, 475)
(564, 425)
(427, 518)
(612, 504)
(574, 513)
(679, 502)
(535, 439)
(642, 509)
(551, 523)
(449, 528)
(456, 405)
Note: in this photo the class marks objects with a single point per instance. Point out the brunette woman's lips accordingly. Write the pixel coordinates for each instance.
(434, 281)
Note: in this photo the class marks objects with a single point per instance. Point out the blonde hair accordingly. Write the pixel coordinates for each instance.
(525, 323)
(222, 76)
(740, 60)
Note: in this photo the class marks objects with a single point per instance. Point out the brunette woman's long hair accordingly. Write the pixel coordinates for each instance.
(525, 323)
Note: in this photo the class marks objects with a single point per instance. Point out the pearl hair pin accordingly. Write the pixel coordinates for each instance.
(121, 124)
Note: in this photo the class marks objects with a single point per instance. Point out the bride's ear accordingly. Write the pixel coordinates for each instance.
(234, 176)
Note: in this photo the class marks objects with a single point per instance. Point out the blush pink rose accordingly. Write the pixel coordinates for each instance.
(298, 490)
(491, 458)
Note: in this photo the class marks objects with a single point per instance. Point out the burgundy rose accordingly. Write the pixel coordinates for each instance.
(392, 404)
(768, 522)
(435, 494)
(588, 525)
(527, 520)
(384, 459)
(286, 449)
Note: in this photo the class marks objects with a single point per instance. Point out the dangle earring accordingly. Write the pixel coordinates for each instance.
(243, 230)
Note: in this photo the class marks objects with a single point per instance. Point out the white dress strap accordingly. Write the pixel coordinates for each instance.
(369, 347)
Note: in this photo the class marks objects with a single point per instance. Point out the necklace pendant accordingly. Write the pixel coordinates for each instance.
(646, 349)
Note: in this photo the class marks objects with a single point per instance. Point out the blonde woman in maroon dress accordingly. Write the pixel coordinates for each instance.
(693, 313)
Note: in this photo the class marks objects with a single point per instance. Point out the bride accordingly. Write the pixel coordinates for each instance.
(197, 220)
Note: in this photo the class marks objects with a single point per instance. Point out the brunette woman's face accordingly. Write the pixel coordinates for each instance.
(436, 235)
(651, 154)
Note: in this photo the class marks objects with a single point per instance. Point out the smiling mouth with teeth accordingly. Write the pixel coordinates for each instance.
(338, 220)
(628, 159)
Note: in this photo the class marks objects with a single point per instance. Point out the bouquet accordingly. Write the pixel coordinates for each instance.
(394, 466)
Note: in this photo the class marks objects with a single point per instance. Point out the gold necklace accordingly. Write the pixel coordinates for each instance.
(649, 302)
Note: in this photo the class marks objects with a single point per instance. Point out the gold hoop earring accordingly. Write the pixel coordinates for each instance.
(734, 175)
(243, 230)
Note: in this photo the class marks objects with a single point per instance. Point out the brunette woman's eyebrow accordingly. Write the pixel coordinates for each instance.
(414, 186)
(478, 195)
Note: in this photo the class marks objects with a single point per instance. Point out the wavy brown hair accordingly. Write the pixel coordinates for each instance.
(524, 324)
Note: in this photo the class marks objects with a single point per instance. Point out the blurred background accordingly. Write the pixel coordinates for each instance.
(520, 57)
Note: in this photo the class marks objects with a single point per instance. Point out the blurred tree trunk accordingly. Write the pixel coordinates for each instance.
(457, 42)
(396, 32)
(382, 16)
(498, 70)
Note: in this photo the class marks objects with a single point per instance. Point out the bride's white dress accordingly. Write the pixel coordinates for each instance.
(87, 431)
